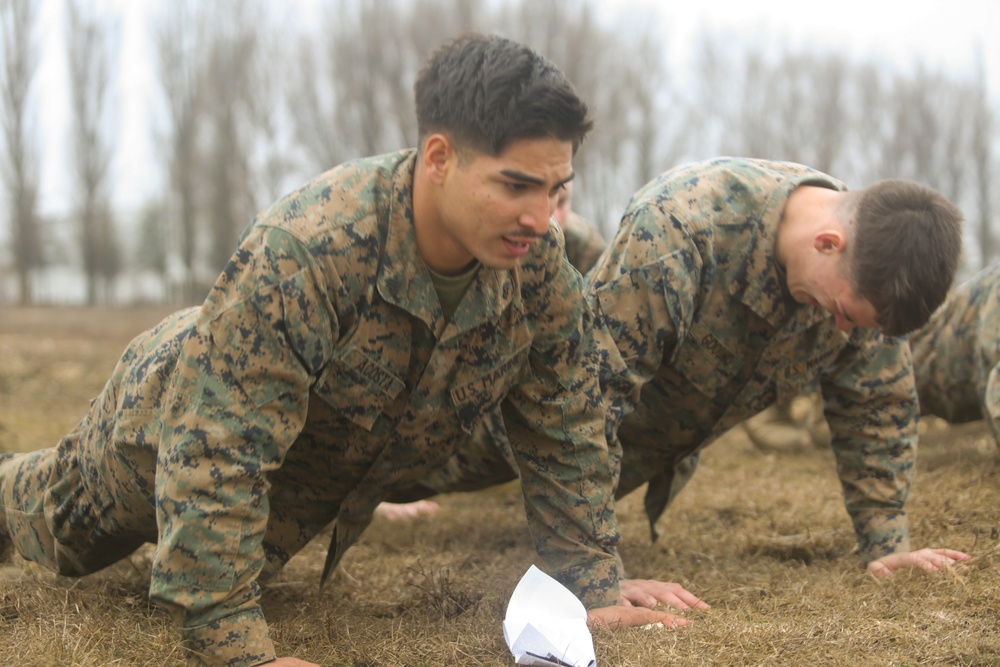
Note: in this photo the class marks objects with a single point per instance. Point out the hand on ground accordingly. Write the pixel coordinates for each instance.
(649, 593)
(620, 616)
(928, 560)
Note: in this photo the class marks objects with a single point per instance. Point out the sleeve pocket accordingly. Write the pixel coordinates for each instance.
(253, 339)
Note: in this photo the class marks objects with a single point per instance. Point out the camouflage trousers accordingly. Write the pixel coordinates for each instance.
(485, 461)
(479, 464)
(89, 502)
(54, 518)
(55, 515)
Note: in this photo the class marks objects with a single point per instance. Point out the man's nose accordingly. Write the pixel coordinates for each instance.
(536, 216)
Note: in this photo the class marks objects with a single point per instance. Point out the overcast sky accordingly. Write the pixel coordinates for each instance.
(937, 33)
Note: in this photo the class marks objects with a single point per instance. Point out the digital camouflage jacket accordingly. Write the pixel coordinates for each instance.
(697, 333)
(320, 374)
(956, 355)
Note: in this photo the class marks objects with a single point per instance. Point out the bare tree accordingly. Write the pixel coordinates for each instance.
(983, 140)
(365, 103)
(353, 96)
(92, 43)
(179, 38)
(273, 157)
(20, 167)
(619, 69)
(659, 143)
(110, 252)
(706, 112)
(151, 246)
(780, 104)
(857, 121)
(813, 121)
(353, 93)
(232, 123)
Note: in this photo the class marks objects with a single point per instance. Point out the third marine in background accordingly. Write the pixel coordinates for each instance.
(956, 356)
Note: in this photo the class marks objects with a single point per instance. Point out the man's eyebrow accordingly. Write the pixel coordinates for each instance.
(534, 180)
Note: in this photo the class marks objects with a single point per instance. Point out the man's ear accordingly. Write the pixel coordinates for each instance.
(437, 157)
(830, 240)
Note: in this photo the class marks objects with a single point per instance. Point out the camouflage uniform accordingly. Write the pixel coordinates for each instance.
(319, 375)
(956, 355)
(485, 461)
(584, 244)
(699, 333)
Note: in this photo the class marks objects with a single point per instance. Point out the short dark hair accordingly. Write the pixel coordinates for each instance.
(486, 91)
(907, 243)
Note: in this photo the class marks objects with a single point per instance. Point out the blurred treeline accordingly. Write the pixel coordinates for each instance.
(255, 100)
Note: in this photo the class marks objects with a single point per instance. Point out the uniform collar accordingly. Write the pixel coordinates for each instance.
(759, 282)
(405, 281)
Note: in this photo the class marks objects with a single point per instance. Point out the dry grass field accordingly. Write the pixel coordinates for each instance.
(762, 537)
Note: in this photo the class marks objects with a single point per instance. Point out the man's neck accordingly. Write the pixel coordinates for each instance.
(426, 216)
(808, 209)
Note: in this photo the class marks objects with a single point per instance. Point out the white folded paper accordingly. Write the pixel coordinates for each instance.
(546, 625)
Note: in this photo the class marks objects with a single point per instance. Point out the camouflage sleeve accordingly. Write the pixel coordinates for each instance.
(871, 406)
(644, 293)
(238, 400)
(555, 422)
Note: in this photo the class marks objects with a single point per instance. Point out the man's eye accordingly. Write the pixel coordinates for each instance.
(517, 187)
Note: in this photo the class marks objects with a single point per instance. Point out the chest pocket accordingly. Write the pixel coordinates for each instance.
(706, 362)
(487, 362)
(358, 387)
(482, 395)
(795, 378)
(800, 367)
